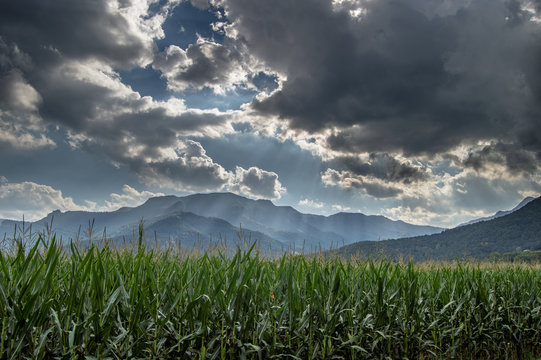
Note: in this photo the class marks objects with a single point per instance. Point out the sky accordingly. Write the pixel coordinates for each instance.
(427, 111)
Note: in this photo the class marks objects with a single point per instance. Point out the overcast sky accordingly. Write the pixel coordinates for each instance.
(427, 111)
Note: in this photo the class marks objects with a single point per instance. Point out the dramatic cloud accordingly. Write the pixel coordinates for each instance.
(203, 64)
(373, 175)
(381, 166)
(416, 107)
(146, 136)
(515, 160)
(449, 198)
(20, 123)
(257, 183)
(408, 76)
(115, 32)
(72, 82)
(188, 168)
(349, 181)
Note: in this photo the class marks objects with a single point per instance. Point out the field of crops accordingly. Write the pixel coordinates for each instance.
(102, 303)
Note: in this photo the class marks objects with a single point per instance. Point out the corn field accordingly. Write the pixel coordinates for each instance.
(101, 303)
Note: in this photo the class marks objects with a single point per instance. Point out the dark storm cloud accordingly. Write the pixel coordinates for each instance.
(20, 124)
(75, 29)
(18, 100)
(380, 176)
(515, 159)
(40, 43)
(91, 103)
(380, 191)
(537, 4)
(404, 76)
(381, 166)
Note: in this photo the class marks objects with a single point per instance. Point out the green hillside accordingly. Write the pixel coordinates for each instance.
(518, 231)
(524, 257)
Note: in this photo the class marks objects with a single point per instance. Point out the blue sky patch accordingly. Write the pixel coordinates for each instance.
(185, 23)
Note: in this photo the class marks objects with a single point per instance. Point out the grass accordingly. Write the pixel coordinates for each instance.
(101, 303)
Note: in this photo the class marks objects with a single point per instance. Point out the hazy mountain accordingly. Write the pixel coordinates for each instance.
(191, 230)
(517, 231)
(359, 227)
(501, 212)
(291, 226)
(7, 227)
(196, 218)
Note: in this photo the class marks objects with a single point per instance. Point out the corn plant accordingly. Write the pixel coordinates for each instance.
(69, 302)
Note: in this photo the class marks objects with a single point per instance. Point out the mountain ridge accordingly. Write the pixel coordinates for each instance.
(519, 230)
(279, 226)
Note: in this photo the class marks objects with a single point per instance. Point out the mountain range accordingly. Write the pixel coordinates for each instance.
(226, 218)
(517, 231)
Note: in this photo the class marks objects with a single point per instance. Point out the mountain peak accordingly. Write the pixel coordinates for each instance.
(524, 202)
(54, 213)
(160, 198)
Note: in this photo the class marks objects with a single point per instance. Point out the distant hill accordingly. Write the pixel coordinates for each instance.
(501, 212)
(201, 217)
(517, 231)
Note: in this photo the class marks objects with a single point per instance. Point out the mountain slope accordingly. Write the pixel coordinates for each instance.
(191, 230)
(520, 230)
(281, 222)
(501, 212)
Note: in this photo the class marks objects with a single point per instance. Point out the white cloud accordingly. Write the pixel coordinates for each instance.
(311, 203)
(129, 197)
(257, 183)
(20, 139)
(449, 199)
(31, 200)
(187, 168)
(340, 208)
(34, 201)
